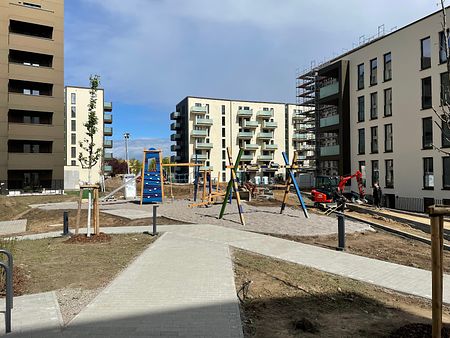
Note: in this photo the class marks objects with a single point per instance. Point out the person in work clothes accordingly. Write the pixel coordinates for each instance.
(377, 195)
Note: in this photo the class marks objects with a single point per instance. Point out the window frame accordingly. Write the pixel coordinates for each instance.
(385, 114)
(360, 78)
(428, 98)
(389, 185)
(386, 149)
(425, 182)
(422, 57)
(373, 72)
(374, 105)
(425, 145)
(361, 113)
(361, 145)
(374, 140)
(373, 171)
(444, 185)
(386, 63)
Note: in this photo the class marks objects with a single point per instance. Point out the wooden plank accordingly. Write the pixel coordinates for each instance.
(436, 275)
(142, 178)
(77, 224)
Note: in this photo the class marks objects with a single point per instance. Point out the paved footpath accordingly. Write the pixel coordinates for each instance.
(183, 284)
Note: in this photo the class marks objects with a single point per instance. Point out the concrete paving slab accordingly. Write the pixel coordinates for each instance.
(13, 227)
(131, 214)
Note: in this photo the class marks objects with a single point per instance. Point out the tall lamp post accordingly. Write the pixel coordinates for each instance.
(126, 136)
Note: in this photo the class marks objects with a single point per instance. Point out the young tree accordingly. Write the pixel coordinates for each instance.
(89, 156)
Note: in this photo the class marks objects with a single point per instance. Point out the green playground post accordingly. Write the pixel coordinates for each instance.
(230, 184)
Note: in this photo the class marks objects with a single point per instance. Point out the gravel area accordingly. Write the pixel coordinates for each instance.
(72, 301)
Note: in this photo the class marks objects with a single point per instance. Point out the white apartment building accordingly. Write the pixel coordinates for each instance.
(76, 115)
(205, 127)
(374, 109)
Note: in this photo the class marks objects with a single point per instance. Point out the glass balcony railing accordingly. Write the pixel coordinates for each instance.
(175, 147)
(108, 106)
(251, 124)
(107, 131)
(199, 133)
(265, 113)
(204, 122)
(265, 135)
(329, 90)
(202, 145)
(329, 150)
(107, 118)
(199, 110)
(108, 156)
(329, 121)
(245, 113)
(270, 147)
(107, 168)
(303, 137)
(245, 134)
(107, 143)
(270, 125)
(199, 157)
(265, 158)
(175, 115)
(251, 146)
(175, 126)
(247, 158)
(175, 137)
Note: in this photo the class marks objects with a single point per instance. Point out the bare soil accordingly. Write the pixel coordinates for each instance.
(84, 239)
(289, 300)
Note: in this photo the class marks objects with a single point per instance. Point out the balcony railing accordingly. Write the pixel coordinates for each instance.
(199, 110)
(175, 147)
(247, 158)
(245, 135)
(175, 158)
(245, 113)
(199, 157)
(303, 137)
(270, 125)
(265, 158)
(108, 156)
(265, 136)
(250, 124)
(175, 115)
(175, 137)
(107, 168)
(251, 146)
(329, 121)
(175, 126)
(270, 147)
(108, 106)
(329, 90)
(107, 143)
(199, 133)
(329, 150)
(108, 131)
(202, 145)
(107, 118)
(204, 122)
(207, 168)
(265, 113)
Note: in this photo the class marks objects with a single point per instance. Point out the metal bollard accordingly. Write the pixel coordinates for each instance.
(155, 207)
(9, 296)
(11, 269)
(65, 223)
(341, 232)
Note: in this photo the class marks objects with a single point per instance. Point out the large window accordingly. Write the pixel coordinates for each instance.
(428, 174)
(387, 66)
(73, 125)
(362, 169)
(373, 106)
(446, 172)
(73, 98)
(388, 102)
(426, 93)
(445, 135)
(374, 140)
(373, 72)
(425, 52)
(361, 142)
(74, 111)
(388, 138)
(361, 76)
(389, 173)
(375, 172)
(442, 47)
(361, 110)
(445, 88)
(427, 133)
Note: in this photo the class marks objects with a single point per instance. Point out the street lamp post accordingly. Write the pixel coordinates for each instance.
(126, 136)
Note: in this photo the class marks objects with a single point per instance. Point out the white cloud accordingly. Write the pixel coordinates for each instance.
(137, 146)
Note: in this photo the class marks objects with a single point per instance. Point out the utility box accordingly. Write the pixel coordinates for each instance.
(130, 186)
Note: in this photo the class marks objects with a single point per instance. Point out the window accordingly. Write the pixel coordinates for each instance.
(73, 163)
(427, 133)
(224, 154)
(389, 173)
(223, 120)
(224, 166)
(428, 174)
(361, 112)
(361, 76)
(425, 52)
(387, 66)
(223, 144)
(445, 88)
(445, 135)
(388, 102)
(73, 98)
(362, 169)
(388, 138)
(426, 93)
(223, 110)
(361, 142)
(446, 172)
(374, 140)
(373, 106)
(74, 112)
(73, 152)
(73, 139)
(373, 72)
(375, 172)
(223, 132)
(73, 125)
(442, 47)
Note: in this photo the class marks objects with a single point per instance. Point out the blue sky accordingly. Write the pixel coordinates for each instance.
(152, 53)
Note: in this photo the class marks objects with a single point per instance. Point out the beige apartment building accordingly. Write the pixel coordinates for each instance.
(374, 109)
(204, 127)
(31, 95)
(76, 115)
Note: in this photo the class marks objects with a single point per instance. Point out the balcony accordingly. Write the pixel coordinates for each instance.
(107, 144)
(27, 131)
(175, 115)
(270, 147)
(175, 126)
(108, 156)
(270, 125)
(108, 131)
(329, 90)
(245, 135)
(265, 158)
(30, 161)
(306, 147)
(199, 157)
(329, 121)
(107, 168)
(199, 133)
(264, 114)
(202, 145)
(175, 137)
(303, 137)
(247, 158)
(107, 118)
(203, 122)
(298, 117)
(175, 147)
(250, 124)
(245, 113)
(329, 150)
(207, 168)
(174, 159)
(250, 146)
(265, 136)
(107, 106)
(199, 110)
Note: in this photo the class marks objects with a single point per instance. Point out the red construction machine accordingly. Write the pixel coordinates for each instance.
(331, 189)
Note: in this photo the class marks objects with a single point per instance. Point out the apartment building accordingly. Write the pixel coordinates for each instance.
(204, 127)
(374, 112)
(31, 95)
(76, 115)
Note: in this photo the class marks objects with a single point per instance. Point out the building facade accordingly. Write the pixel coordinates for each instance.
(374, 112)
(31, 95)
(76, 115)
(203, 128)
